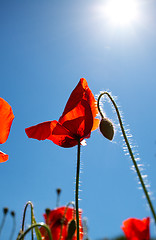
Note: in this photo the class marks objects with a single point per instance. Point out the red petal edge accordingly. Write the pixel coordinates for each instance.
(3, 157)
(40, 131)
(6, 118)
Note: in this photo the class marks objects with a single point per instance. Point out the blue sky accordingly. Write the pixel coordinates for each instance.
(45, 48)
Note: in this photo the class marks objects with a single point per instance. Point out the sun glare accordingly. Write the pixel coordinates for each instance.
(121, 12)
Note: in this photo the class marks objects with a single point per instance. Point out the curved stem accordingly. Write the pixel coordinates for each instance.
(34, 226)
(98, 103)
(24, 214)
(77, 188)
(2, 223)
(130, 151)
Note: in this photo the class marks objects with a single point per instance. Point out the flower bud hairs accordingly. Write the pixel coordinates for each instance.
(106, 128)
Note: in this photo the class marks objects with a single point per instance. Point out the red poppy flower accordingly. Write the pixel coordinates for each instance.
(6, 118)
(136, 229)
(76, 122)
(58, 219)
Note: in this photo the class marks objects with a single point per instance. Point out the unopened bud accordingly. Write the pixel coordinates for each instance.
(58, 190)
(47, 211)
(5, 210)
(71, 229)
(106, 128)
(12, 213)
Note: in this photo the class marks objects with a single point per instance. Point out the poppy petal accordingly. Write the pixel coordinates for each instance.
(61, 136)
(58, 222)
(40, 131)
(6, 118)
(54, 131)
(76, 96)
(76, 122)
(3, 157)
(136, 229)
(44, 233)
(92, 102)
(96, 122)
(81, 103)
(79, 120)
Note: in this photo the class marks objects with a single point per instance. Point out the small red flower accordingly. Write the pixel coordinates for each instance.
(76, 122)
(6, 118)
(60, 218)
(136, 229)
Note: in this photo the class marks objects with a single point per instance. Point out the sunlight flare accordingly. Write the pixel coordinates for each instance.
(121, 12)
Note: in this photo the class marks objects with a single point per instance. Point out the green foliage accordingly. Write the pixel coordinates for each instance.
(37, 231)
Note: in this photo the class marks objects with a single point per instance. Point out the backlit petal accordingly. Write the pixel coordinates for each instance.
(96, 122)
(6, 118)
(3, 157)
(76, 122)
(40, 131)
(76, 96)
(61, 136)
(92, 102)
(81, 103)
(54, 131)
(79, 120)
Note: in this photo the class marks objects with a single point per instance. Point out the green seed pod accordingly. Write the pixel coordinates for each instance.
(106, 128)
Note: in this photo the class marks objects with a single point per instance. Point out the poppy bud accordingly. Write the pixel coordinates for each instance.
(71, 229)
(5, 210)
(106, 128)
(58, 190)
(12, 213)
(47, 211)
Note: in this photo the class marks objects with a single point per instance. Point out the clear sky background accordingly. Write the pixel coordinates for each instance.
(45, 48)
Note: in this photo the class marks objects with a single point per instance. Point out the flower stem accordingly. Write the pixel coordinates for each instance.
(77, 188)
(13, 228)
(32, 215)
(130, 151)
(5, 211)
(21, 237)
(58, 191)
(2, 223)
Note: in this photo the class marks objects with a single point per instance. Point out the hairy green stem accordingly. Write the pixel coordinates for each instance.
(34, 226)
(32, 215)
(77, 188)
(130, 151)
